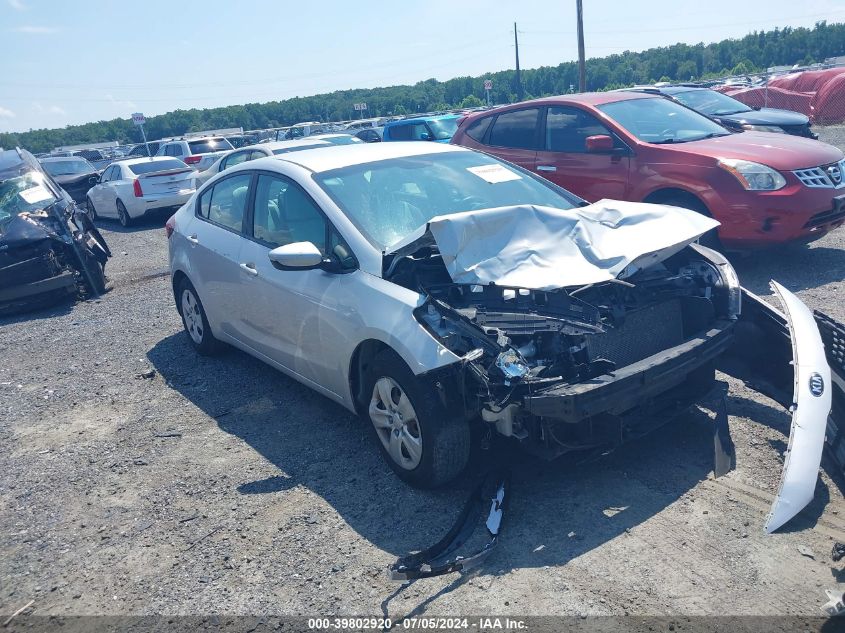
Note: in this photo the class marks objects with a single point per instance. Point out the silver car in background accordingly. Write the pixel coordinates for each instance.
(430, 288)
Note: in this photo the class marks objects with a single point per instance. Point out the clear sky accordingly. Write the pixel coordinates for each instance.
(72, 62)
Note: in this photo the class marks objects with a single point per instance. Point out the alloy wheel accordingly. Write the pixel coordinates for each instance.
(192, 314)
(396, 423)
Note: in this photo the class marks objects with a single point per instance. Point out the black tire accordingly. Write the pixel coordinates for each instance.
(709, 239)
(123, 215)
(445, 439)
(201, 338)
(92, 210)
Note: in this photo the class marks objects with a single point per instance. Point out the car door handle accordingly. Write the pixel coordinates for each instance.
(249, 268)
(193, 239)
(546, 168)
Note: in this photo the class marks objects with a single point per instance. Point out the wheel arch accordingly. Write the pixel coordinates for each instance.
(176, 281)
(361, 359)
(666, 194)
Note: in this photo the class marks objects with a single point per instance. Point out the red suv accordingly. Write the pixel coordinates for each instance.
(764, 188)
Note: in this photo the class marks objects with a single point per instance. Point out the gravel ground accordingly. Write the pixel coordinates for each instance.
(221, 486)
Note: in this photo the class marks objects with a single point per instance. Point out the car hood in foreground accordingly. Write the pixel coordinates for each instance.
(544, 248)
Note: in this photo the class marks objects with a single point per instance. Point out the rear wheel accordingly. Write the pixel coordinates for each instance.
(123, 215)
(423, 444)
(195, 320)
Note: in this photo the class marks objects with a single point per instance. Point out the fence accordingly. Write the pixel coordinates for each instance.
(817, 93)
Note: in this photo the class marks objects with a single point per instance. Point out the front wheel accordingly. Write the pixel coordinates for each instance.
(123, 215)
(423, 444)
(709, 239)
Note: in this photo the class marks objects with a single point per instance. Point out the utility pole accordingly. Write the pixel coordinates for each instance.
(582, 68)
(519, 94)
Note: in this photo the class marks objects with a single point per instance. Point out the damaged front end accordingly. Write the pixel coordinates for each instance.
(563, 368)
(49, 249)
(587, 368)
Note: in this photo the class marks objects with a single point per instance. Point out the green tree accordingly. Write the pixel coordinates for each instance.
(470, 101)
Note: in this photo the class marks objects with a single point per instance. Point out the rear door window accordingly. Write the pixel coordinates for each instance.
(517, 129)
(227, 201)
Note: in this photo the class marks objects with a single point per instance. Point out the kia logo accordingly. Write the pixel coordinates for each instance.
(816, 384)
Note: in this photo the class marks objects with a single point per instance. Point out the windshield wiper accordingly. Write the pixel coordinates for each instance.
(666, 141)
(710, 135)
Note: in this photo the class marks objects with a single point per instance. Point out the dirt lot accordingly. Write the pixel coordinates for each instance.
(221, 486)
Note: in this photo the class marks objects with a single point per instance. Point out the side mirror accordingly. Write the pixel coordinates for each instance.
(598, 144)
(425, 136)
(93, 180)
(296, 256)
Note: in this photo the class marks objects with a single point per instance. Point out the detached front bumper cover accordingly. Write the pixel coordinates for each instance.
(440, 559)
(811, 404)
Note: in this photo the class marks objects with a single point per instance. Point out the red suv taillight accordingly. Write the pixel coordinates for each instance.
(137, 187)
(193, 160)
(170, 226)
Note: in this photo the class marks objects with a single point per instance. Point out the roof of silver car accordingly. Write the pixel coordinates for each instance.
(326, 159)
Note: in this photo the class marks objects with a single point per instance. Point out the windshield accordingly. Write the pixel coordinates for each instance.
(296, 148)
(711, 102)
(208, 145)
(343, 139)
(660, 120)
(388, 199)
(23, 194)
(443, 129)
(68, 167)
(157, 165)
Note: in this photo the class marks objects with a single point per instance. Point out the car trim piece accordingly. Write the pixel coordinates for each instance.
(809, 413)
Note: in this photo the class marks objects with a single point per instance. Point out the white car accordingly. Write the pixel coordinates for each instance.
(198, 152)
(429, 288)
(129, 189)
(261, 150)
(338, 138)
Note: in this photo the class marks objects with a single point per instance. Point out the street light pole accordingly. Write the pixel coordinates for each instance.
(582, 69)
(519, 93)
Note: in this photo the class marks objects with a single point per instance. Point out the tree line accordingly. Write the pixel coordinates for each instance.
(681, 62)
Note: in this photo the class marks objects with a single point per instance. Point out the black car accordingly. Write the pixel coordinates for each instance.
(49, 248)
(73, 174)
(734, 114)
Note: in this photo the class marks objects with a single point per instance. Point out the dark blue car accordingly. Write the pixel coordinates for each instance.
(438, 128)
(734, 114)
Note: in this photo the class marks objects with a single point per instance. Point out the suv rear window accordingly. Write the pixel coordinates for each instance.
(207, 145)
(157, 165)
(515, 129)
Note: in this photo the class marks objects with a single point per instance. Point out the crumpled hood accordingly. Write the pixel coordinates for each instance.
(544, 248)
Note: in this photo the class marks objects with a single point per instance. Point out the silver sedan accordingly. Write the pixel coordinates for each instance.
(430, 288)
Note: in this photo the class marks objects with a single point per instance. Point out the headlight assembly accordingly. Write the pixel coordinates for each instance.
(753, 176)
